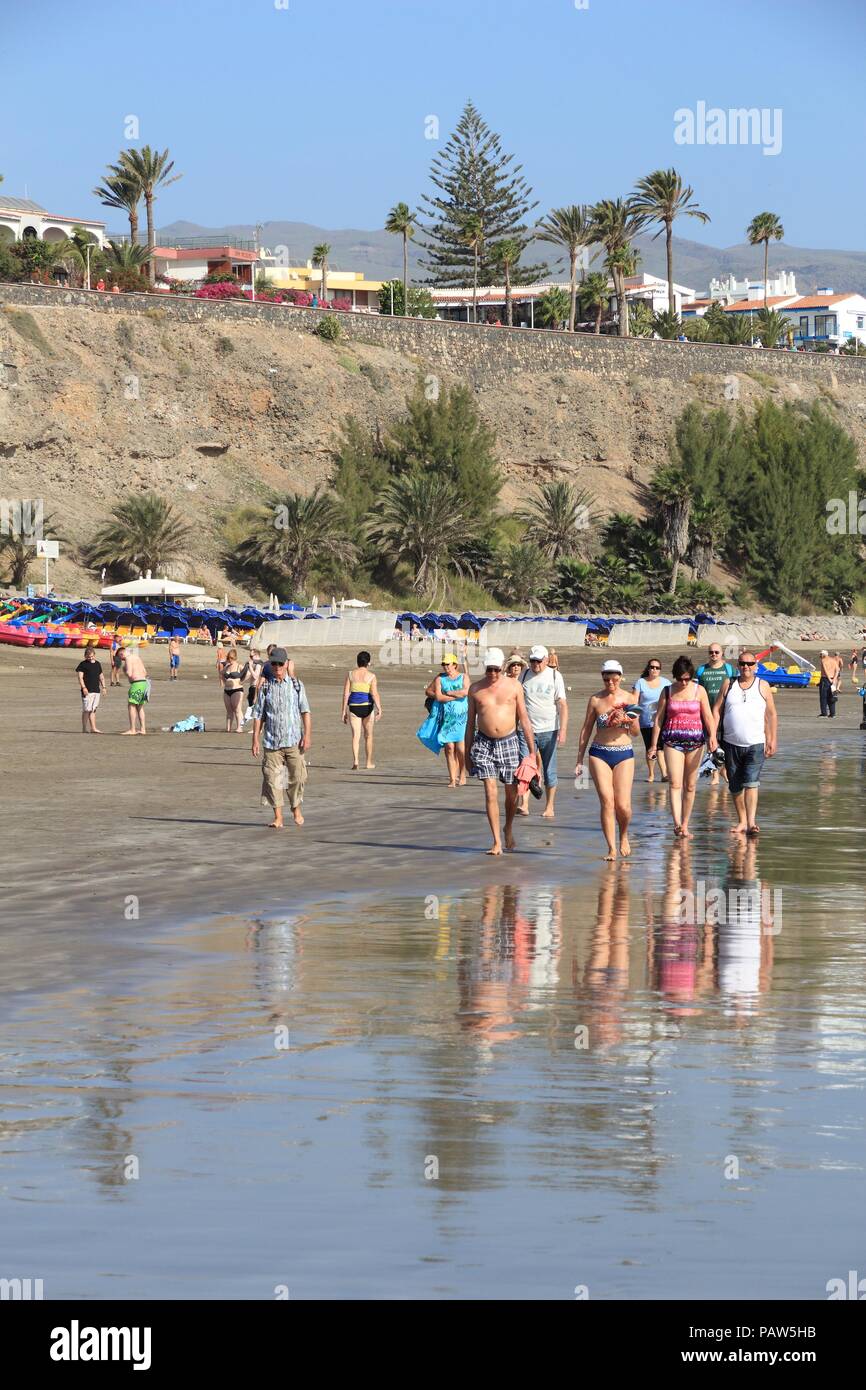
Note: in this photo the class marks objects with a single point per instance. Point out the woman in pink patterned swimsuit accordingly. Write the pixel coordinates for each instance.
(683, 721)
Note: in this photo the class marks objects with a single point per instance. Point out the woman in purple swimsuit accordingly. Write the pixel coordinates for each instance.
(611, 756)
(683, 721)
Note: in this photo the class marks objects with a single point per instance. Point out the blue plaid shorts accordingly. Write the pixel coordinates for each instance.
(495, 757)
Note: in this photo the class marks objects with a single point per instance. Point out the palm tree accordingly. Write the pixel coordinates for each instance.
(672, 494)
(401, 222)
(765, 227)
(520, 575)
(666, 324)
(595, 294)
(771, 326)
(120, 190)
(739, 329)
(662, 198)
(576, 585)
(557, 518)
(708, 525)
(553, 306)
(128, 255)
(148, 169)
(572, 228)
(294, 535)
(472, 235)
(18, 548)
(614, 224)
(142, 533)
(422, 520)
(504, 255)
(320, 258)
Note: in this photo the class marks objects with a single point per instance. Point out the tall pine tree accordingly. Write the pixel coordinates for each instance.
(474, 179)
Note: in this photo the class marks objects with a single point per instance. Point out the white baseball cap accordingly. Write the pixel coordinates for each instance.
(494, 656)
(537, 653)
(610, 666)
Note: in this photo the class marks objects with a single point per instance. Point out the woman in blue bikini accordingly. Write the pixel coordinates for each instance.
(611, 756)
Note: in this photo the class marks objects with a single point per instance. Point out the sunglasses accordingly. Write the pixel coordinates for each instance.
(655, 666)
(277, 665)
(747, 663)
(494, 668)
(715, 653)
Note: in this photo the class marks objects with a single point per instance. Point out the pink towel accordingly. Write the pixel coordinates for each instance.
(527, 769)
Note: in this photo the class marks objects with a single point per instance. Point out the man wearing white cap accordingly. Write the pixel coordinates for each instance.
(547, 707)
(497, 707)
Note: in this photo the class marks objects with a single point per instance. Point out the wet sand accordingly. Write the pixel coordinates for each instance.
(296, 1025)
(177, 820)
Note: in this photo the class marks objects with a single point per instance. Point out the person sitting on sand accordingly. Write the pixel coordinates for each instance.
(361, 708)
(496, 708)
(139, 690)
(611, 756)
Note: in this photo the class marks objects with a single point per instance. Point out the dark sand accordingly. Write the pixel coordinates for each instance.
(177, 819)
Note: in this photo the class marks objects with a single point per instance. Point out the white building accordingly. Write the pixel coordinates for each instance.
(193, 263)
(21, 217)
(653, 291)
(730, 289)
(456, 302)
(825, 317)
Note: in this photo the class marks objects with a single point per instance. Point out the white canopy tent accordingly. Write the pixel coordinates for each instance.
(152, 588)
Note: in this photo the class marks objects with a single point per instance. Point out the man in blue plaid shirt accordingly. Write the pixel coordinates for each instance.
(282, 707)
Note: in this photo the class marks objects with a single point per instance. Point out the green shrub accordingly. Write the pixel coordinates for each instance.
(350, 363)
(329, 328)
(224, 345)
(25, 325)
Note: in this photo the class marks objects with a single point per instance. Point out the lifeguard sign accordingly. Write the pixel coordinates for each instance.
(47, 550)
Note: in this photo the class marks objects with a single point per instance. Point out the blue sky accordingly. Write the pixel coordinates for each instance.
(265, 127)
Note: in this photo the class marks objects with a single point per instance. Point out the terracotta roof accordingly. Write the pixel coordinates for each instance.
(819, 301)
(743, 306)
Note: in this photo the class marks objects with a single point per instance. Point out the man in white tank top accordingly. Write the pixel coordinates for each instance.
(749, 737)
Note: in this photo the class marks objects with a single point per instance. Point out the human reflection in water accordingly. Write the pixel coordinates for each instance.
(680, 946)
(828, 771)
(750, 921)
(606, 974)
(512, 961)
(274, 943)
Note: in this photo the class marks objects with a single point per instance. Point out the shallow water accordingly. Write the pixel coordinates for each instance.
(436, 1126)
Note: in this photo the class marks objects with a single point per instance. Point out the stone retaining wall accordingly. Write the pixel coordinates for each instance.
(473, 351)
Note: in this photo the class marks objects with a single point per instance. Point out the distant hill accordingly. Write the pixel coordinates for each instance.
(379, 255)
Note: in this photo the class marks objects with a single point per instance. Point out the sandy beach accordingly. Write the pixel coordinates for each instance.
(177, 819)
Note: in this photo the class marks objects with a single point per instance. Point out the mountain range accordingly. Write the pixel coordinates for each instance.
(379, 255)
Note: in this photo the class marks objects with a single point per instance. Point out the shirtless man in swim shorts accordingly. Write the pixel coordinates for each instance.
(136, 697)
(496, 706)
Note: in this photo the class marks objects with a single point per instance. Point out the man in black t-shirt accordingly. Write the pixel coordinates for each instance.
(92, 683)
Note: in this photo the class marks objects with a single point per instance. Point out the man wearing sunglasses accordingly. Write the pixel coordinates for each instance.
(750, 726)
(712, 676)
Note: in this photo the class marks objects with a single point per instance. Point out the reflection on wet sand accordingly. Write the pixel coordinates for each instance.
(451, 1026)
